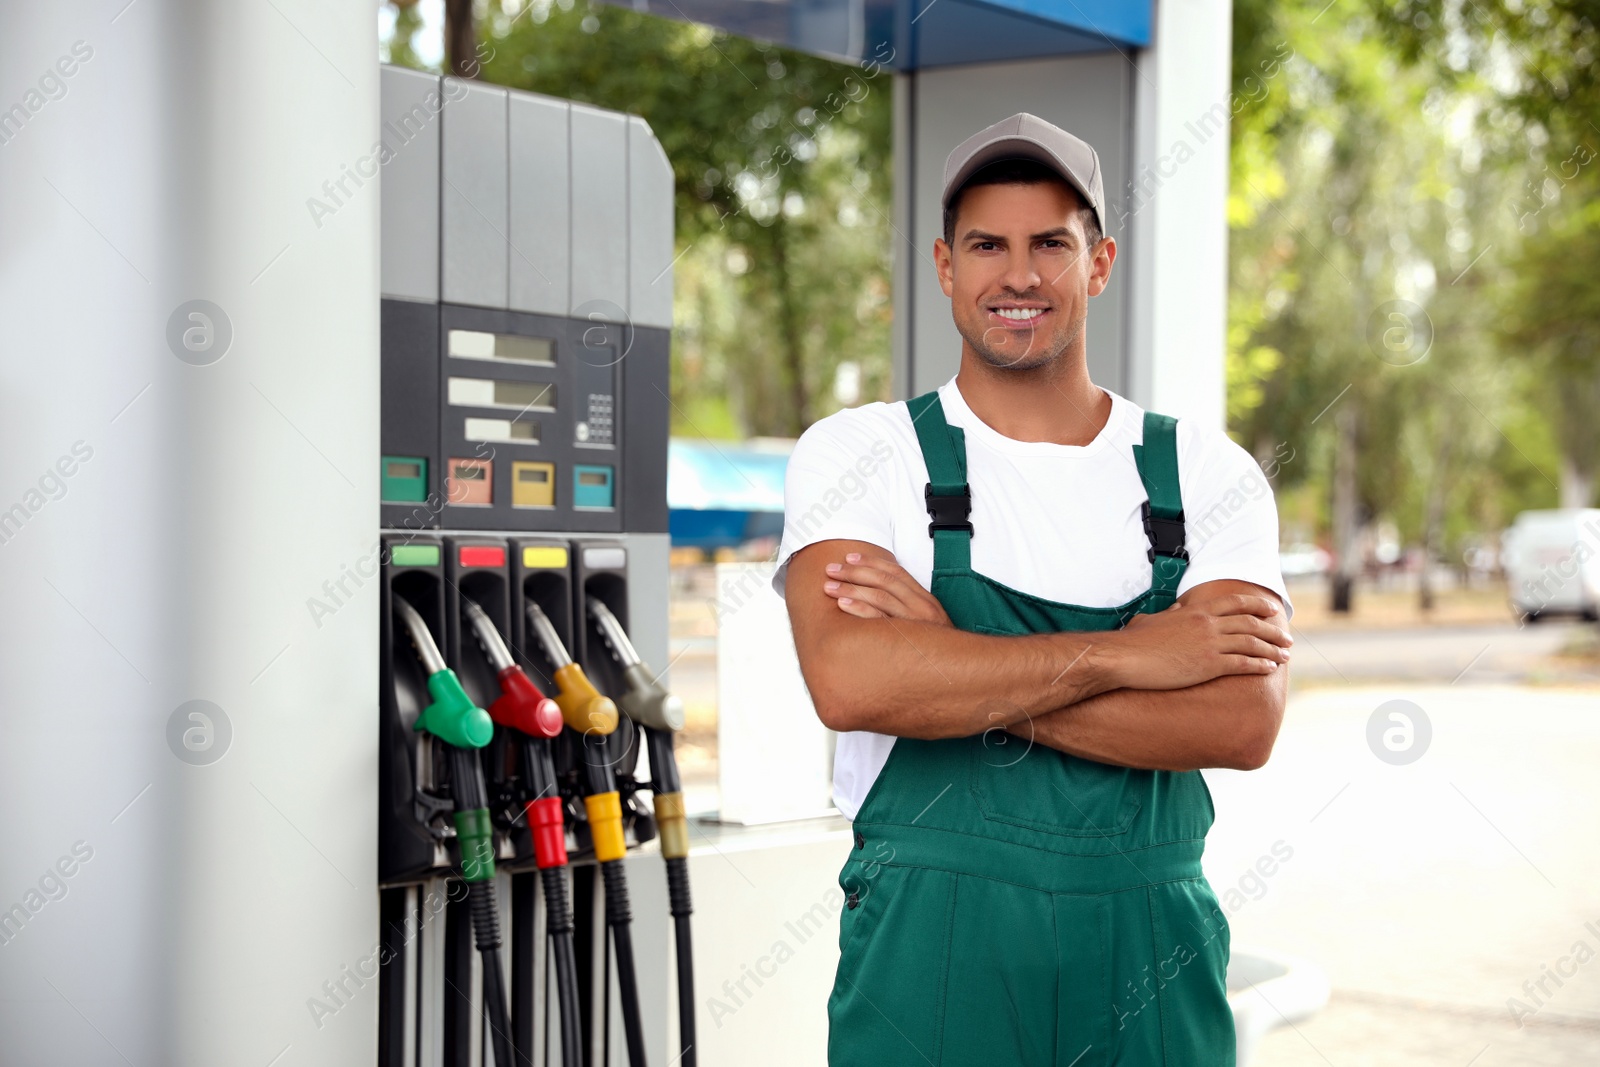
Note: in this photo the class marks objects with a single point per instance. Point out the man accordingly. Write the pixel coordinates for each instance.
(1027, 685)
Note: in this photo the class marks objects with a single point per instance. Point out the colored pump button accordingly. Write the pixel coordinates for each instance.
(592, 487)
(405, 479)
(544, 557)
(482, 556)
(533, 484)
(415, 555)
(470, 481)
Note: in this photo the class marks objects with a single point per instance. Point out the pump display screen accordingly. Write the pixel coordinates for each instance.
(524, 430)
(475, 344)
(494, 393)
(546, 396)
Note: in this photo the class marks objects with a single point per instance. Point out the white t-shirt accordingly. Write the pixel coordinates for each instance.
(1059, 521)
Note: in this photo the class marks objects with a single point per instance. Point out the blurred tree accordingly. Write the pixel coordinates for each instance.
(781, 162)
(1540, 55)
(1552, 316)
(460, 38)
(399, 48)
(1358, 204)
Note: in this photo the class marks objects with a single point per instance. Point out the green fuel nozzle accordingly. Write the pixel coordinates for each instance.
(452, 717)
(464, 727)
(646, 701)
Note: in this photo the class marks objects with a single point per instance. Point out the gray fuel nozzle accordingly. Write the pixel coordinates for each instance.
(646, 701)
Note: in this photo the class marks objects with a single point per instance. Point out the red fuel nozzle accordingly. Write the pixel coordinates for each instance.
(522, 707)
(548, 831)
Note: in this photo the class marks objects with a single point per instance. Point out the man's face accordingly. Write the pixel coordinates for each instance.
(1019, 276)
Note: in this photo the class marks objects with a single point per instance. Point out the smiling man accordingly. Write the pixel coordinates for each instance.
(1044, 613)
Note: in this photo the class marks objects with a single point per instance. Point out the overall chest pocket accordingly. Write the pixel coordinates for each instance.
(1029, 785)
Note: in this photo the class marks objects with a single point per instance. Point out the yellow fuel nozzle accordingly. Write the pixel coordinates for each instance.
(582, 706)
(605, 826)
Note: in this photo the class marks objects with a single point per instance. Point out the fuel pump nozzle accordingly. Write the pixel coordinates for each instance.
(582, 706)
(537, 719)
(593, 715)
(464, 728)
(452, 717)
(646, 702)
(520, 705)
(660, 713)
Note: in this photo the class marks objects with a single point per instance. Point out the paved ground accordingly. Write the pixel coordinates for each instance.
(1477, 653)
(1430, 892)
(1359, 1031)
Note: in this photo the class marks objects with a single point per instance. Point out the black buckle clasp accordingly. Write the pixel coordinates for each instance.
(1166, 535)
(948, 512)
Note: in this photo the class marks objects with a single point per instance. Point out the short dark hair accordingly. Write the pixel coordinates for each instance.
(1019, 171)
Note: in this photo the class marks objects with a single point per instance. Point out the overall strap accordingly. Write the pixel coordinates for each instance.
(948, 497)
(1157, 460)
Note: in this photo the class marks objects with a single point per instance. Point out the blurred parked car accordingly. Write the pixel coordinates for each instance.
(1552, 562)
(1299, 560)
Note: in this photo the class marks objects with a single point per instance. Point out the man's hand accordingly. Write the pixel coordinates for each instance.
(1198, 639)
(879, 588)
(1229, 721)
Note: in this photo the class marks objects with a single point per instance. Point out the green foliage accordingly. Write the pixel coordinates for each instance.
(1406, 151)
(400, 49)
(1552, 323)
(782, 199)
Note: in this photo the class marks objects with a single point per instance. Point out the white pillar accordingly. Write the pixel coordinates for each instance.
(1177, 212)
(166, 514)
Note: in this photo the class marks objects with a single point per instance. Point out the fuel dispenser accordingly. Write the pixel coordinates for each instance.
(525, 327)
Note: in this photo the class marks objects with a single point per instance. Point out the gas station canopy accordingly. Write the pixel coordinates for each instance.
(909, 35)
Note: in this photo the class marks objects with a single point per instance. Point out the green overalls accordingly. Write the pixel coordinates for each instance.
(1007, 903)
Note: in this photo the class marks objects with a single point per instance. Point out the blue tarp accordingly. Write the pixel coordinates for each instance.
(724, 493)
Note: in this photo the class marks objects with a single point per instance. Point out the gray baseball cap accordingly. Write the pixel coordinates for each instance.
(1025, 136)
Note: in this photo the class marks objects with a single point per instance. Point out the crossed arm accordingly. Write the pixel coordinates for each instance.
(1201, 684)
